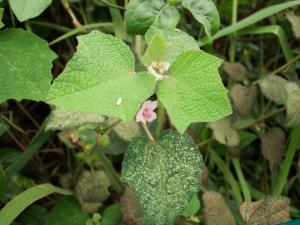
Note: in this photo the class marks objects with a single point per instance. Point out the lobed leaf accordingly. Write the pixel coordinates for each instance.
(163, 173)
(100, 79)
(194, 91)
(25, 67)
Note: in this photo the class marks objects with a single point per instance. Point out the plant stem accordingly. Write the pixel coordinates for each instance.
(75, 21)
(12, 124)
(151, 138)
(49, 25)
(108, 4)
(242, 180)
(232, 48)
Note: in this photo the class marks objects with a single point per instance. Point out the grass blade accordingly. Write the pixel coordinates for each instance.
(13, 208)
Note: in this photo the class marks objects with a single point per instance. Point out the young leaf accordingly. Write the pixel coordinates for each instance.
(192, 207)
(140, 14)
(272, 86)
(25, 10)
(194, 91)
(112, 215)
(66, 212)
(216, 210)
(224, 133)
(1, 15)
(272, 146)
(166, 45)
(61, 119)
(100, 79)
(268, 211)
(25, 68)
(165, 174)
(295, 21)
(243, 98)
(206, 13)
(292, 104)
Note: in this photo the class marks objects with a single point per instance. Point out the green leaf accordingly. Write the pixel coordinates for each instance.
(13, 208)
(165, 174)
(26, 9)
(206, 13)
(25, 66)
(192, 207)
(267, 211)
(66, 212)
(112, 215)
(127, 130)
(194, 91)
(1, 15)
(100, 79)
(166, 45)
(61, 119)
(140, 14)
(167, 18)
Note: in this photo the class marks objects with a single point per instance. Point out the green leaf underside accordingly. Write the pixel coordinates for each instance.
(25, 65)
(100, 79)
(167, 18)
(194, 92)
(1, 15)
(140, 15)
(206, 13)
(26, 9)
(165, 174)
(166, 45)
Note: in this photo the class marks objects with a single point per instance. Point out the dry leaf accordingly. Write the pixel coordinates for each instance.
(268, 211)
(224, 133)
(295, 21)
(292, 104)
(216, 211)
(272, 145)
(236, 71)
(243, 98)
(272, 86)
(131, 208)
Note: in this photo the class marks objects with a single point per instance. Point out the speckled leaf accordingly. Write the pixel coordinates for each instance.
(1, 15)
(165, 174)
(140, 14)
(100, 79)
(127, 130)
(295, 21)
(61, 119)
(166, 45)
(224, 133)
(25, 65)
(272, 86)
(216, 211)
(194, 92)
(26, 9)
(268, 211)
(272, 146)
(206, 13)
(292, 104)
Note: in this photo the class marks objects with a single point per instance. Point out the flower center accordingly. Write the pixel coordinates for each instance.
(146, 113)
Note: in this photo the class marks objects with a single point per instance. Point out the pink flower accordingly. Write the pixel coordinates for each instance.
(146, 113)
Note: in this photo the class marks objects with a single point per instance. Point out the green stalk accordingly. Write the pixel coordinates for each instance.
(232, 48)
(228, 176)
(242, 180)
(282, 179)
(110, 171)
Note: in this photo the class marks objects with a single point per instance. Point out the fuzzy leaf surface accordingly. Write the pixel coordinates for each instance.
(26, 9)
(194, 91)
(100, 79)
(25, 65)
(165, 174)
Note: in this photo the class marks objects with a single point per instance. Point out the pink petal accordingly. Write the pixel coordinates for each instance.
(151, 105)
(152, 118)
(139, 117)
